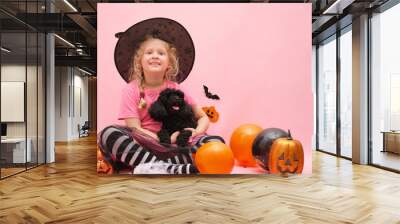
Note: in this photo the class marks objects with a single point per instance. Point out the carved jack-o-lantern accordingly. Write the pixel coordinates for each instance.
(261, 148)
(286, 156)
(212, 114)
(102, 165)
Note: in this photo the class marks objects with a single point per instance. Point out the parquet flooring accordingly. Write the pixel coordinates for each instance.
(70, 191)
(388, 159)
(9, 171)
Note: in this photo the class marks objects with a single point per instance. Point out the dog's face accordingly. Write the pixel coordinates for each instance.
(173, 100)
(170, 102)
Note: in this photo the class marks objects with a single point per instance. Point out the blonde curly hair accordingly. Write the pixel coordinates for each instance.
(136, 70)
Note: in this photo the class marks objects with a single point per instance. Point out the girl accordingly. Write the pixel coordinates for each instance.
(155, 67)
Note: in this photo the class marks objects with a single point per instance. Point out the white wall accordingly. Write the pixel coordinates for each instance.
(79, 112)
(71, 93)
(15, 72)
(62, 78)
(33, 127)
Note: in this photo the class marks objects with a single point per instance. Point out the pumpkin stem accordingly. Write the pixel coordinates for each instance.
(289, 135)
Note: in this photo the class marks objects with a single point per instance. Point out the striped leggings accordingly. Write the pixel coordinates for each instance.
(125, 151)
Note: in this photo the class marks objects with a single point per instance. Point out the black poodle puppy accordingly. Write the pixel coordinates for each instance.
(175, 115)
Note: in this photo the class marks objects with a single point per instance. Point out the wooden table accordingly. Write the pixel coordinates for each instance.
(391, 141)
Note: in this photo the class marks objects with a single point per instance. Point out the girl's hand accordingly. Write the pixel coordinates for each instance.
(174, 136)
(194, 132)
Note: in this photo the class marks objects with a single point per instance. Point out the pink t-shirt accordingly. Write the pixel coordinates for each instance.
(130, 101)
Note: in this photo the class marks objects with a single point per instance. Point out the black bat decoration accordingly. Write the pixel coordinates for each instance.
(210, 95)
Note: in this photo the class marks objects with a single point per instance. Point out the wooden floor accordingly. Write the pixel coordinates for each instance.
(70, 191)
(388, 159)
(5, 172)
(10, 171)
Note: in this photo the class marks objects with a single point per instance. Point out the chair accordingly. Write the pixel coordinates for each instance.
(84, 130)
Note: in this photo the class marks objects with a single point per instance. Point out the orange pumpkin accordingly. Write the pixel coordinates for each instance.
(214, 158)
(102, 165)
(286, 156)
(212, 113)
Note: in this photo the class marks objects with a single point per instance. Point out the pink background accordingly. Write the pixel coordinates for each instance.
(255, 56)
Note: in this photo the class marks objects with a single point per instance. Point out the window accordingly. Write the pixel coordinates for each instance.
(327, 95)
(385, 88)
(346, 93)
